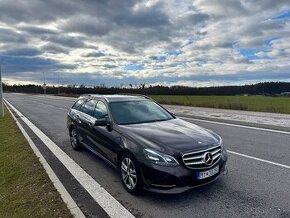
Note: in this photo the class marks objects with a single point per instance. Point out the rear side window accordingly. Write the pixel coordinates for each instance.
(89, 107)
(78, 104)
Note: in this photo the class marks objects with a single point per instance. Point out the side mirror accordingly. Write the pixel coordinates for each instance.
(101, 122)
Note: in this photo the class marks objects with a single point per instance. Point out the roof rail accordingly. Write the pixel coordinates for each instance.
(85, 95)
(134, 94)
(93, 95)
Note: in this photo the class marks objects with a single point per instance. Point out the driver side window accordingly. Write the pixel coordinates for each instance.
(89, 107)
(100, 110)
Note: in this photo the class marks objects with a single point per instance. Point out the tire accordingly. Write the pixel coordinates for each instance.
(74, 139)
(130, 174)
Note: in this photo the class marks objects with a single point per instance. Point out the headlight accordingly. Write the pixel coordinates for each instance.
(224, 150)
(160, 159)
(220, 140)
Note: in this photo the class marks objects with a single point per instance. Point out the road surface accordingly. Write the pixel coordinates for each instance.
(252, 188)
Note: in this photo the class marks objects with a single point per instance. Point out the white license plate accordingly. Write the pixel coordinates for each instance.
(208, 173)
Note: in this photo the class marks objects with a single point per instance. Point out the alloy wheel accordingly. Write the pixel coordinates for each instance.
(129, 175)
(74, 138)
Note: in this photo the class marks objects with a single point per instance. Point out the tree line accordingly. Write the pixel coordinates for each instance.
(265, 88)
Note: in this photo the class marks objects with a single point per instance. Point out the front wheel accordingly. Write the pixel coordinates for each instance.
(74, 139)
(130, 174)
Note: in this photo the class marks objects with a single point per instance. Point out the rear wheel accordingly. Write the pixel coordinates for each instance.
(130, 174)
(74, 139)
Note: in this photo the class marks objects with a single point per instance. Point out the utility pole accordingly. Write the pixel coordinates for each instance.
(44, 85)
(1, 94)
(58, 81)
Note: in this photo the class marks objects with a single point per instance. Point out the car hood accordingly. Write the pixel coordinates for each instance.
(171, 136)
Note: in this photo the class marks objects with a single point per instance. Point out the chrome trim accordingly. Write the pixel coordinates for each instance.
(193, 158)
(194, 152)
(197, 160)
(99, 155)
(163, 186)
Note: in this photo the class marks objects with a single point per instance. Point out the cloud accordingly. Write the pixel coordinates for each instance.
(94, 54)
(153, 41)
(37, 30)
(11, 36)
(22, 52)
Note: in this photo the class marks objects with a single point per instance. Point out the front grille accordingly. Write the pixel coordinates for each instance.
(195, 160)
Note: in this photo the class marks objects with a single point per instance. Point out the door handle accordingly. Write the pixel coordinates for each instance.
(91, 124)
(78, 118)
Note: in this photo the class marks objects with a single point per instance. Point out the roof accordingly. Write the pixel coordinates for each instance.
(116, 97)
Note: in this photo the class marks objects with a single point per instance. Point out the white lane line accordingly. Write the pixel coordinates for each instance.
(66, 197)
(236, 125)
(260, 159)
(112, 207)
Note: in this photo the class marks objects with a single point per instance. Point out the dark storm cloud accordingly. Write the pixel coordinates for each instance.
(11, 36)
(150, 17)
(110, 66)
(54, 48)
(65, 40)
(30, 68)
(22, 52)
(95, 54)
(195, 18)
(35, 11)
(86, 25)
(37, 30)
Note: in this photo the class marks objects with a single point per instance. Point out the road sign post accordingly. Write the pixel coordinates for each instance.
(1, 94)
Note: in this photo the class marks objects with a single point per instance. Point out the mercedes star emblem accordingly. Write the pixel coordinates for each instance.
(208, 158)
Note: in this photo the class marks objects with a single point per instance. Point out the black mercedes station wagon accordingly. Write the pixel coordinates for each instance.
(151, 148)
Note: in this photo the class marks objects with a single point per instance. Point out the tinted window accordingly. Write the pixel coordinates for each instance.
(89, 107)
(131, 112)
(78, 104)
(100, 110)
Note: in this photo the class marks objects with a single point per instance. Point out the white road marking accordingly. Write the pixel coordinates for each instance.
(71, 204)
(236, 125)
(259, 159)
(112, 207)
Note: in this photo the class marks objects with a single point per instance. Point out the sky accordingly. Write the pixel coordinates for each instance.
(157, 42)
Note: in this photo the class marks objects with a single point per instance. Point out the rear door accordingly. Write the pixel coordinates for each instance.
(86, 120)
(74, 116)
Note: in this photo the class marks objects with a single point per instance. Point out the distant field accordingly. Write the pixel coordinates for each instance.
(249, 103)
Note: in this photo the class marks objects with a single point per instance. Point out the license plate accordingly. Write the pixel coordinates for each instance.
(208, 173)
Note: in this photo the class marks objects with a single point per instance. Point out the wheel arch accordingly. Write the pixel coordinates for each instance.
(121, 153)
(71, 126)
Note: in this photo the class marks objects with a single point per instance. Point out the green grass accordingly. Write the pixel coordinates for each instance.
(249, 103)
(25, 189)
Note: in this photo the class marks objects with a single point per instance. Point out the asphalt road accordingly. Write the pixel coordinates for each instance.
(251, 189)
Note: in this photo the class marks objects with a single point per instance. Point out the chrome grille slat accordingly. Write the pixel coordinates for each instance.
(214, 152)
(216, 156)
(195, 163)
(195, 160)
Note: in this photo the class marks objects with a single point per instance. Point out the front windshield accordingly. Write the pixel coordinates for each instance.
(132, 112)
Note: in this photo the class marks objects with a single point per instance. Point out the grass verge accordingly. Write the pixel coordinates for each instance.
(249, 103)
(25, 188)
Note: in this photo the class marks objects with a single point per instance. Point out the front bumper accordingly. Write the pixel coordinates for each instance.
(173, 180)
